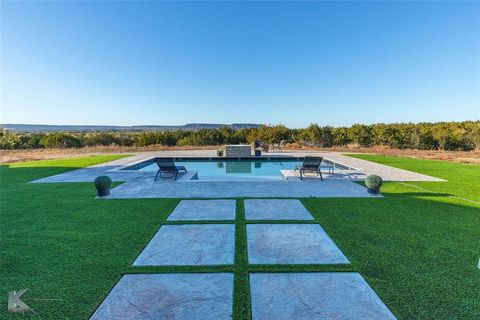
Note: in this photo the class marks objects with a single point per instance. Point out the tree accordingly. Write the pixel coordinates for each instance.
(361, 135)
(61, 140)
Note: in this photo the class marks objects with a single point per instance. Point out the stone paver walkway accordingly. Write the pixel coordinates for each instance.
(319, 295)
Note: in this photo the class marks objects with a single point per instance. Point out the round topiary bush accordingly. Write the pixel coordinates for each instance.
(373, 183)
(103, 184)
(220, 153)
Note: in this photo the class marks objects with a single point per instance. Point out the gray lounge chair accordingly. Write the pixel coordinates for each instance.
(167, 166)
(310, 164)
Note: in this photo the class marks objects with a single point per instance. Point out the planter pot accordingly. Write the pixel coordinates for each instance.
(373, 190)
(258, 153)
(103, 192)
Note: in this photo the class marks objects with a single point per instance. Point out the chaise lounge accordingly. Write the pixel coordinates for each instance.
(167, 166)
(310, 164)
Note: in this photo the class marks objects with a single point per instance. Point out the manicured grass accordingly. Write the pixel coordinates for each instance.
(418, 250)
(61, 243)
(463, 179)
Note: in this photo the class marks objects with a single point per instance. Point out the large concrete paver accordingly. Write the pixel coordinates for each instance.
(169, 296)
(313, 296)
(276, 209)
(204, 210)
(291, 244)
(190, 244)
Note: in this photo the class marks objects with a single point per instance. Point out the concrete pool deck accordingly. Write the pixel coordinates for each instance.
(141, 184)
(146, 188)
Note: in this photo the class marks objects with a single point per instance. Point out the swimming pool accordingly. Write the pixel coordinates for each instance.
(218, 169)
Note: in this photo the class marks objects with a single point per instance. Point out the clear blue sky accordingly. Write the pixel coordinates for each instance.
(127, 63)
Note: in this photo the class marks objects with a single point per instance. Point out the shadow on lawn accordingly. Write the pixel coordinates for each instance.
(416, 194)
(28, 173)
(32, 174)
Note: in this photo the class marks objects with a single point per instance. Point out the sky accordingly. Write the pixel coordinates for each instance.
(291, 63)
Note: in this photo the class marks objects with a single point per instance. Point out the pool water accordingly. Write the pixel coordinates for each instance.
(222, 169)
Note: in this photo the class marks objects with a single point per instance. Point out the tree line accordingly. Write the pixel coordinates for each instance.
(427, 136)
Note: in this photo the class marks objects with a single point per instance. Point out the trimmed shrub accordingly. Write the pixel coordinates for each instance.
(102, 183)
(373, 181)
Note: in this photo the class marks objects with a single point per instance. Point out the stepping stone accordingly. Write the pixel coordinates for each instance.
(312, 296)
(291, 244)
(204, 210)
(263, 209)
(190, 244)
(169, 296)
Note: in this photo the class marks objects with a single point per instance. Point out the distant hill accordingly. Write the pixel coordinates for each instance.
(72, 128)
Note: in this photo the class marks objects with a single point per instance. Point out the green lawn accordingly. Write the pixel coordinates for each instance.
(418, 250)
(463, 179)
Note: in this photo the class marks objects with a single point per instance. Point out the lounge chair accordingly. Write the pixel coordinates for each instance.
(167, 166)
(310, 164)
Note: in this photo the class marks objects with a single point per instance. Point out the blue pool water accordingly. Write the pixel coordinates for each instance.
(222, 169)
